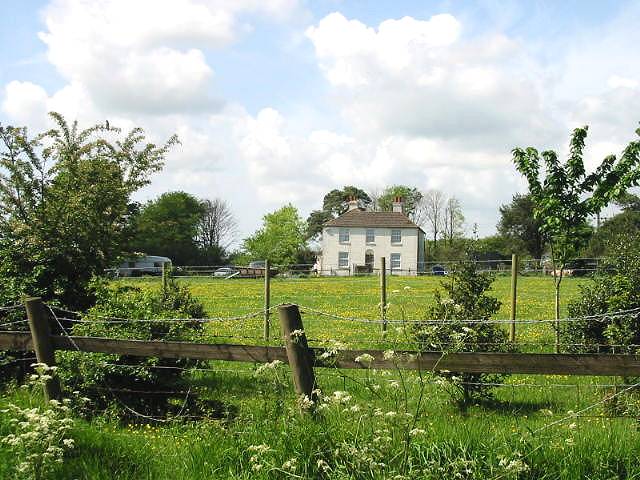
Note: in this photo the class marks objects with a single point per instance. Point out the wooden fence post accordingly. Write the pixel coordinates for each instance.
(267, 297)
(383, 293)
(41, 337)
(514, 293)
(299, 354)
(166, 272)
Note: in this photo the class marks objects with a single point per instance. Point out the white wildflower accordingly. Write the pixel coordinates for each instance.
(365, 359)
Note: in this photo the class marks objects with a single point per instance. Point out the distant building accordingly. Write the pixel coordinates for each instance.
(356, 240)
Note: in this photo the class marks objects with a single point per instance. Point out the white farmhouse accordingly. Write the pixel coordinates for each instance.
(356, 240)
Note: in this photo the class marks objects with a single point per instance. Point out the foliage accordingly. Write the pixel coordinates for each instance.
(519, 224)
(615, 288)
(567, 197)
(98, 375)
(453, 221)
(335, 203)
(40, 435)
(168, 227)
(411, 197)
(64, 205)
(280, 239)
(448, 331)
(622, 224)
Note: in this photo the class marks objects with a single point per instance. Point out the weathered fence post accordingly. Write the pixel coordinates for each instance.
(267, 298)
(299, 354)
(383, 293)
(41, 338)
(514, 294)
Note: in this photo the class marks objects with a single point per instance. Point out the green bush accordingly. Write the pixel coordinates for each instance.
(117, 380)
(615, 288)
(447, 330)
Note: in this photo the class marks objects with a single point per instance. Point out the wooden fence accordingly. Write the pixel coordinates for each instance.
(303, 359)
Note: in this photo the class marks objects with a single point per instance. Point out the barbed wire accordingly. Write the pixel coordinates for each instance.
(115, 320)
(17, 322)
(17, 360)
(9, 308)
(124, 405)
(600, 317)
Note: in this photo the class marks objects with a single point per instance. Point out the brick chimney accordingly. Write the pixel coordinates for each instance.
(398, 205)
(353, 203)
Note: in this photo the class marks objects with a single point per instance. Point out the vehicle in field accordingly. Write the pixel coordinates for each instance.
(225, 272)
(141, 266)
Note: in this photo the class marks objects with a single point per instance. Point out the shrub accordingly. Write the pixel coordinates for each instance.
(614, 288)
(465, 300)
(117, 380)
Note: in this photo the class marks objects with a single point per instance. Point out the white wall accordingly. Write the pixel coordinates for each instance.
(408, 248)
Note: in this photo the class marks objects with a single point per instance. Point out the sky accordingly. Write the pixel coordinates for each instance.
(279, 101)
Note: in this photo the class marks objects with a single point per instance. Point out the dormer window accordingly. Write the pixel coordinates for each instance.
(344, 235)
(396, 236)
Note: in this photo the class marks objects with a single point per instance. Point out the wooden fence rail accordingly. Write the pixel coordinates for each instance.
(304, 359)
(525, 363)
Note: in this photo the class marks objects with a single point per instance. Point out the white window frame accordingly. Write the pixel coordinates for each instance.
(395, 261)
(370, 238)
(343, 259)
(399, 236)
(343, 235)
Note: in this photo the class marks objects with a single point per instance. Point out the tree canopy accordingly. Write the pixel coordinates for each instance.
(519, 225)
(168, 226)
(65, 205)
(281, 238)
(567, 196)
(335, 203)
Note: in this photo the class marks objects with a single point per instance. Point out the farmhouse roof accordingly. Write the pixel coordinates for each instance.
(362, 218)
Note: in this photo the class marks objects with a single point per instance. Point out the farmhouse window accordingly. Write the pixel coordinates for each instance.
(371, 235)
(395, 261)
(396, 236)
(343, 259)
(344, 235)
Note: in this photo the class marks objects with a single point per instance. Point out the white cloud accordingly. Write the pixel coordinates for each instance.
(145, 55)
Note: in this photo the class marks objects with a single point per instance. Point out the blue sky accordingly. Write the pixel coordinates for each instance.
(282, 100)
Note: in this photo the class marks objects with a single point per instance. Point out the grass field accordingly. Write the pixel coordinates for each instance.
(394, 425)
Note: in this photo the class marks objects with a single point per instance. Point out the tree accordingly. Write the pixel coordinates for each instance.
(434, 206)
(453, 220)
(567, 196)
(168, 226)
(411, 197)
(519, 224)
(335, 203)
(623, 224)
(215, 230)
(280, 239)
(65, 205)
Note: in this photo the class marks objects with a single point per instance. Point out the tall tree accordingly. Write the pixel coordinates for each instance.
(411, 197)
(519, 224)
(65, 205)
(566, 196)
(168, 226)
(216, 230)
(281, 238)
(453, 220)
(434, 207)
(335, 203)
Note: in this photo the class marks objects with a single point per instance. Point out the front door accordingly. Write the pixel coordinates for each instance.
(369, 260)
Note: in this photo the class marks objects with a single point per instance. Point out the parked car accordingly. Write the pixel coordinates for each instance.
(224, 272)
(257, 264)
(438, 270)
